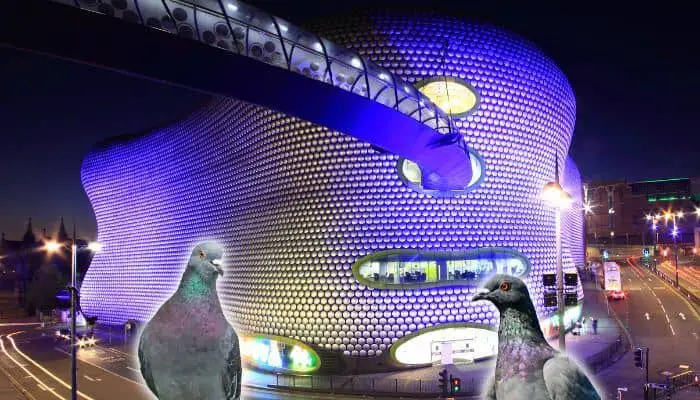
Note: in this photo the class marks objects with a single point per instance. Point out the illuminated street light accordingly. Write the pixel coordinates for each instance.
(611, 211)
(52, 246)
(648, 217)
(554, 195)
(588, 209)
(94, 246)
(679, 214)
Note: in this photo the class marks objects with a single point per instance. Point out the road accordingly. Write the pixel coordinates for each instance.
(658, 317)
(40, 365)
(688, 274)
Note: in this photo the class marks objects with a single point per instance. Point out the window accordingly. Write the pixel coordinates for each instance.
(414, 268)
(412, 175)
(453, 95)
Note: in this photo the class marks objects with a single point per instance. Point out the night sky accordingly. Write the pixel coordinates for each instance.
(633, 70)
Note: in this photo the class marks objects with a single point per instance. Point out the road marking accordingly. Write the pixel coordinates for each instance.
(696, 335)
(20, 323)
(104, 369)
(133, 369)
(668, 320)
(92, 379)
(682, 315)
(2, 345)
(647, 315)
(659, 288)
(672, 331)
(47, 372)
(649, 279)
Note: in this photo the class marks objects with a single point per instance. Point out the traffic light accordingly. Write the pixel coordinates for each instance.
(455, 384)
(605, 255)
(646, 252)
(638, 358)
(442, 382)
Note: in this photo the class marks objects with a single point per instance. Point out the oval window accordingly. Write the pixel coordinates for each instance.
(407, 268)
(276, 353)
(454, 96)
(412, 175)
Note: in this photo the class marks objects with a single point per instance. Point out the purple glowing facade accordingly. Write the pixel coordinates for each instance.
(297, 205)
(573, 228)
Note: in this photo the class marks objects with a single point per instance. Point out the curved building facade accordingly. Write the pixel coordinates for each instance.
(336, 257)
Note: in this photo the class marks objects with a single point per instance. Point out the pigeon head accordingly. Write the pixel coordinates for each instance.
(205, 261)
(504, 291)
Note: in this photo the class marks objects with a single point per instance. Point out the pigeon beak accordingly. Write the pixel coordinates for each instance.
(217, 265)
(482, 295)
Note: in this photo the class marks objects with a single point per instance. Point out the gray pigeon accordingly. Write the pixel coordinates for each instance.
(188, 350)
(527, 367)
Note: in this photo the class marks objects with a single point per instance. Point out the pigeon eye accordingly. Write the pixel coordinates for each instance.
(505, 286)
(201, 254)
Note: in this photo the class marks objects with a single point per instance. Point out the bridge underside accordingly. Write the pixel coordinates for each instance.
(86, 37)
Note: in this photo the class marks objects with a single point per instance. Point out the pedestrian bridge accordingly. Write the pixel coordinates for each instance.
(228, 48)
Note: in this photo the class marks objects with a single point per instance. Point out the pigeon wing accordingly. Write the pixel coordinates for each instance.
(232, 374)
(145, 368)
(566, 381)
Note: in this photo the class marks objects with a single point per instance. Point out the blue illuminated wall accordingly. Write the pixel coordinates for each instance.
(573, 228)
(296, 205)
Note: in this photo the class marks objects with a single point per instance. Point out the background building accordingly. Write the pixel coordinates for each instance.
(338, 259)
(619, 211)
(20, 260)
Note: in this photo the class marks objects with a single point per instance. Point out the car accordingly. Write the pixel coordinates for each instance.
(87, 341)
(63, 334)
(616, 295)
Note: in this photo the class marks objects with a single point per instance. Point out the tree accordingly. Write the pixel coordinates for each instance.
(47, 282)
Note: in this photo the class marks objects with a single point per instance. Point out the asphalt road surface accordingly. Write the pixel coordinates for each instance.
(659, 318)
(40, 365)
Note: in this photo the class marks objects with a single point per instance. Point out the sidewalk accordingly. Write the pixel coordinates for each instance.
(597, 351)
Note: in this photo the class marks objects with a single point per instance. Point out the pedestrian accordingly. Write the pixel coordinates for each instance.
(595, 326)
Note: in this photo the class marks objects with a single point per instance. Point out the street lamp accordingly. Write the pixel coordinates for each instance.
(674, 233)
(53, 247)
(554, 195)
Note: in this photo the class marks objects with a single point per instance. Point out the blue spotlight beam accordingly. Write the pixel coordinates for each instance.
(60, 31)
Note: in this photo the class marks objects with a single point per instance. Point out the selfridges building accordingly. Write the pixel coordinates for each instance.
(338, 256)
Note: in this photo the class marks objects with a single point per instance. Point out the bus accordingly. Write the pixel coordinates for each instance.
(610, 280)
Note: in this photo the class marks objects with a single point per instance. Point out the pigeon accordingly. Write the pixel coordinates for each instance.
(527, 367)
(188, 350)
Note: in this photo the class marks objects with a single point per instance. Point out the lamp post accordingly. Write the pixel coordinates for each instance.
(53, 247)
(554, 195)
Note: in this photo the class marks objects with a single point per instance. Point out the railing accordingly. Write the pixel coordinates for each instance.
(245, 30)
(608, 356)
(370, 385)
(681, 381)
(671, 281)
